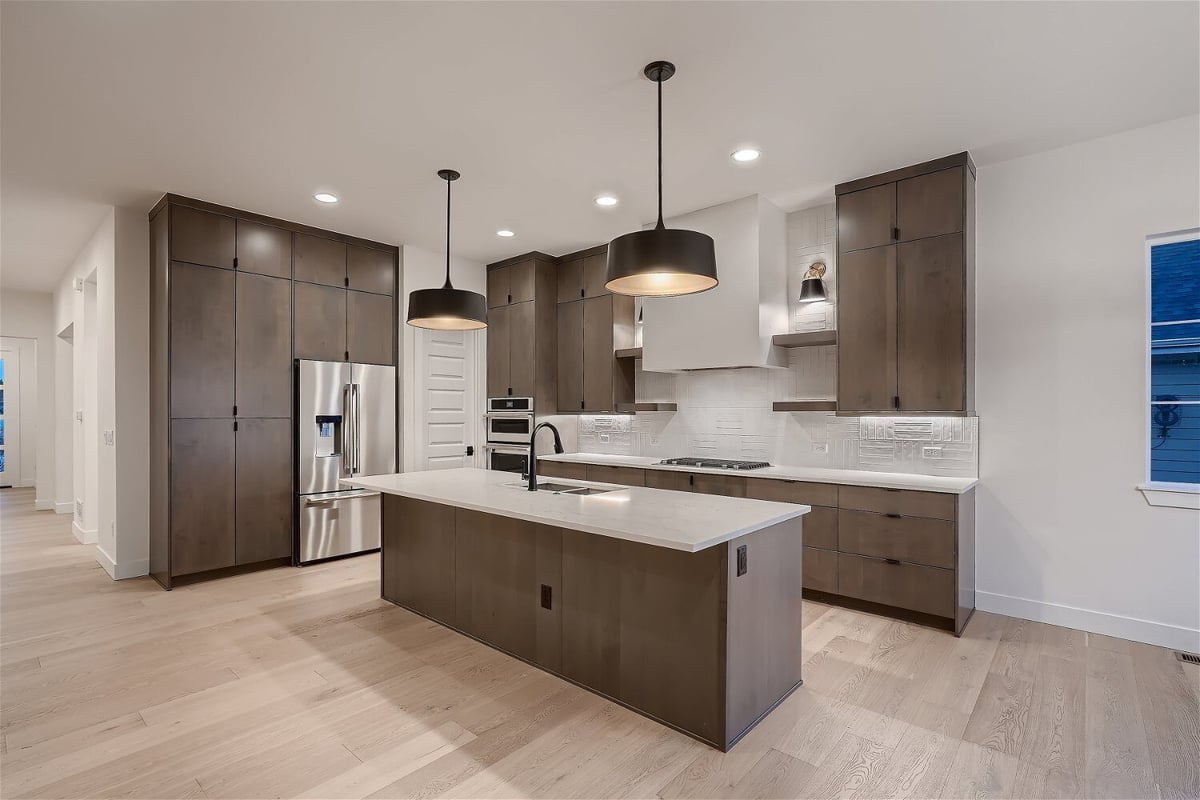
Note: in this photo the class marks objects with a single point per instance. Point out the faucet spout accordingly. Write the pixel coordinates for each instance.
(558, 448)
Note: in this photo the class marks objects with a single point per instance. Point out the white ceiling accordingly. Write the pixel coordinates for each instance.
(540, 105)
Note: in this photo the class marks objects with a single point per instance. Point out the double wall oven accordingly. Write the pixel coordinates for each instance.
(509, 425)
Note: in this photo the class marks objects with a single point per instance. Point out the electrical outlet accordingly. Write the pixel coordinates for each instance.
(931, 452)
(821, 447)
(603, 437)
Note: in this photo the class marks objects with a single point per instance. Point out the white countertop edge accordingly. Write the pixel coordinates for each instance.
(849, 477)
(793, 512)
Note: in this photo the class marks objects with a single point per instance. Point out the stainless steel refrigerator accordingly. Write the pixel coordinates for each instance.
(346, 426)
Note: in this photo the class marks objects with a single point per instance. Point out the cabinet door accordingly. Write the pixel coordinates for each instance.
(263, 490)
(497, 352)
(497, 287)
(264, 346)
(930, 342)
(570, 356)
(595, 274)
(669, 479)
(202, 341)
(570, 280)
(370, 270)
(867, 330)
(369, 327)
(320, 322)
(866, 218)
(520, 282)
(202, 237)
(202, 453)
(598, 358)
(930, 205)
(264, 249)
(497, 594)
(522, 341)
(320, 260)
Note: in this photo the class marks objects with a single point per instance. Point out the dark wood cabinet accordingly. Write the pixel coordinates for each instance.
(320, 260)
(583, 276)
(727, 485)
(570, 356)
(264, 249)
(370, 270)
(867, 330)
(370, 328)
(263, 330)
(227, 320)
(590, 376)
(419, 557)
(599, 361)
(906, 264)
(521, 341)
(203, 237)
(611, 473)
(202, 495)
(669, 479)
(263, 490)
(320, 322)
(201, 341)
(820, 567)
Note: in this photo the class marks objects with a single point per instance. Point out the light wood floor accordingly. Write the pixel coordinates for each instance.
(292, 683)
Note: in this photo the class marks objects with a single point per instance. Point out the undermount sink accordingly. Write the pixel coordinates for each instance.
(560, 488)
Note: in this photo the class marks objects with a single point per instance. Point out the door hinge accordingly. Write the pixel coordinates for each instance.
(235, 262)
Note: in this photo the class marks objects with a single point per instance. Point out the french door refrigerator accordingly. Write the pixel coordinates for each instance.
(345, 426)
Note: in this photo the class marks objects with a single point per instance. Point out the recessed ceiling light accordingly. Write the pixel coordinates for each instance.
(505, 233)
(325, 197)
(606, 200)
(745, 155)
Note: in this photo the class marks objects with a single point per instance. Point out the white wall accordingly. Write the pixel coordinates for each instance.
(29, 315)
(426, 269)
(1063, 535)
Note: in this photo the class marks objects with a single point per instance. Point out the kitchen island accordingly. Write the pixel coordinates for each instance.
(684, 608)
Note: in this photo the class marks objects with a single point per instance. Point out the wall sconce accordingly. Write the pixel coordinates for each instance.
(812, 290)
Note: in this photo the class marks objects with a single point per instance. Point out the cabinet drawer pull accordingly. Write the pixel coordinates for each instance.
(891, 561)
(892, 516)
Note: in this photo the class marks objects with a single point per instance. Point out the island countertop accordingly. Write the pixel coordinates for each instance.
(675, 520)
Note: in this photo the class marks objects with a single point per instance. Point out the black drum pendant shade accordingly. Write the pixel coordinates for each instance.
(661, 262)
(447, 308)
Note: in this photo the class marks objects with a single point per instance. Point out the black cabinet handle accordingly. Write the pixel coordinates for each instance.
(691, 480)
(581, 405)
(510, 390)
(896, 401)
(235, 262)
(892, 516)
(891, 561)
(235, 411)
(235, 426)
(895, 234)
(581, 293)
(510, 298)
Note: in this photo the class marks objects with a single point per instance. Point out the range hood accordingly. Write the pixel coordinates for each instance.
(729, 326)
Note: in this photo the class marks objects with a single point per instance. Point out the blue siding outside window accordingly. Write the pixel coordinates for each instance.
(1175, 362)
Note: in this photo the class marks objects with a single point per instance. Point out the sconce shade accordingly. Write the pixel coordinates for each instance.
(812, 289)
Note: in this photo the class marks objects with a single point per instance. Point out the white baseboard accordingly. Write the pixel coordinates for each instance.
(64, 508)
(119, 572)
(42, 505)
(1174, 637)
(83, 535)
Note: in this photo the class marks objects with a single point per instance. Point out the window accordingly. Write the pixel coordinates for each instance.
(1174, 402)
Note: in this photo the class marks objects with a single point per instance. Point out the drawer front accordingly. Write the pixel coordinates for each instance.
(897, 501)
(664, 479)
(821, 528)
(915, 539)
(809, 494)
(626, 476)
(929, 590)
(726, 485)
(559, 469)
(820, 570)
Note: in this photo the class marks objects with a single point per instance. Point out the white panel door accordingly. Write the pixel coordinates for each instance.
(10, 415)
(449, 412)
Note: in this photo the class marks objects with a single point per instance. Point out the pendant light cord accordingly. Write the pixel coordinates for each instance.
(660, 225)
(447, 284)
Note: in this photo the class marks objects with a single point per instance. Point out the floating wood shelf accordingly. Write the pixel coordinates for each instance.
(633, 408)
(804, 405)
(629, 352)
(812, 339)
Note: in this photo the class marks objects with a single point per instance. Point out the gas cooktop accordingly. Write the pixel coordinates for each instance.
(714, 463)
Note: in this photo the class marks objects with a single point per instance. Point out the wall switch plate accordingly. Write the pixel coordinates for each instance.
(79, 415)
(109, 437)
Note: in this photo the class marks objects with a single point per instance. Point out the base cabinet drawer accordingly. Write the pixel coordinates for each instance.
(915, 539)
(821, 528)
(898, 501)
(820, 570)
(665, 479)
(929, 590)
(626, 476)
(560, 469)
(781, 491)
(726, 485)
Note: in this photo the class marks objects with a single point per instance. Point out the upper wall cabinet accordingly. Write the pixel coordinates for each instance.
(264, 249)
(521, 345)
(369, 270)
(203, 237)
(514, 283)
(320, 260)
(906, 292)
(582, 277)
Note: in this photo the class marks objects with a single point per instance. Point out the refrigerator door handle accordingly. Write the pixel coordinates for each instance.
(347, 446)
(357, 433)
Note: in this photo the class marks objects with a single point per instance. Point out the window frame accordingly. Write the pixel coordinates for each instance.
(1161, 493)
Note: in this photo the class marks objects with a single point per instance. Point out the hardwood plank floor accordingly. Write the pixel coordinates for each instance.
(303, 683)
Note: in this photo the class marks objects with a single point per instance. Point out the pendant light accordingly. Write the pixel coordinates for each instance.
(447, 308)
(661, 262)
(812, 288)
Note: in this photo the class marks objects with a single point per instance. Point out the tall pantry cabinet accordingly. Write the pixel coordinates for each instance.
(235, 297)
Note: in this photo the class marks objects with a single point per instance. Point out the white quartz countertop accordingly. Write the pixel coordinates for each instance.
(677, 520)
(849, 477)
